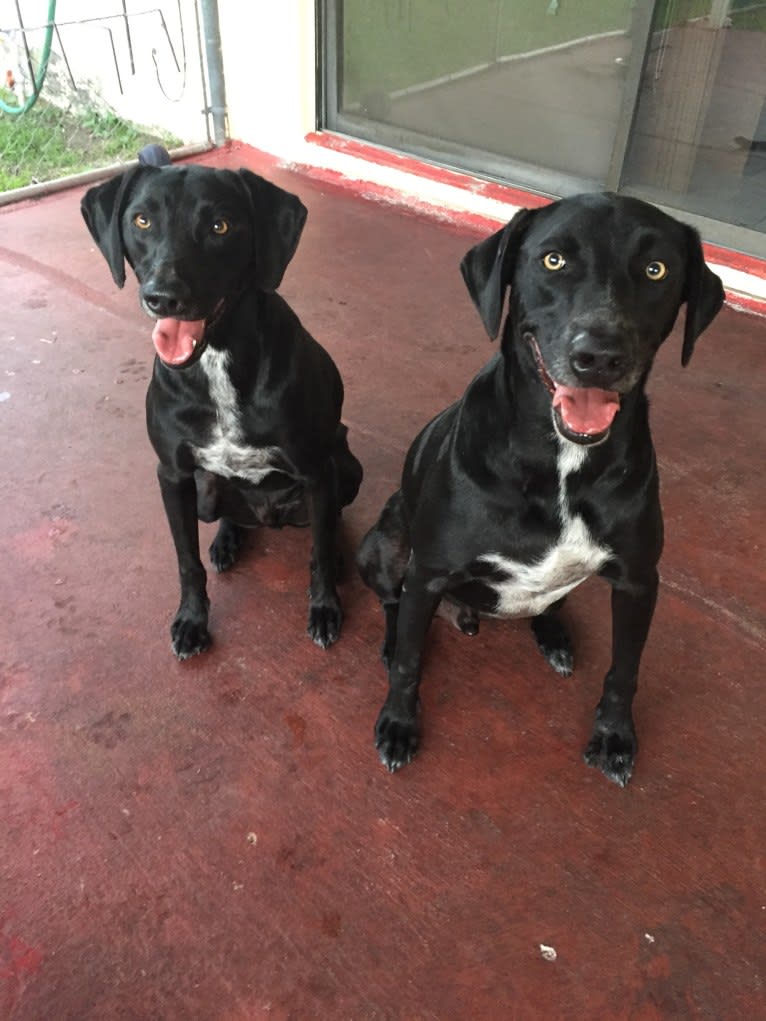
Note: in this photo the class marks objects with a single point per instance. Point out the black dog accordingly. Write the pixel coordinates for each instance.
(544, 472)
(244, 406)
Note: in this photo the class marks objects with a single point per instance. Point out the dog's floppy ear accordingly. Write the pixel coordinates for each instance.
(278, 219)
(488, 267)
(102, 209)
(703, 293)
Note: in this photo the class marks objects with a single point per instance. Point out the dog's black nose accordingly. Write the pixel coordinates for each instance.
(596, 360)
(162, 303)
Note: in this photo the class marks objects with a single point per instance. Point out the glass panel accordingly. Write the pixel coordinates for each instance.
(699, 138)
(538, 82)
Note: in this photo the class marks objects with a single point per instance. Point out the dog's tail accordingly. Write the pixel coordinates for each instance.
(154, 156)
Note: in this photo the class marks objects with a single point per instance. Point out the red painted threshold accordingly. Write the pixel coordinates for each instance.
(506, 194)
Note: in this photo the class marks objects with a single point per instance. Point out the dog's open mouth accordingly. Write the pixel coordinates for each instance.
(581, 414)
(181, 341)
(176, 340)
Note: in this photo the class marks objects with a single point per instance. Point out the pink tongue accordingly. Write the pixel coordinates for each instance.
(587, 411)
(175, 339)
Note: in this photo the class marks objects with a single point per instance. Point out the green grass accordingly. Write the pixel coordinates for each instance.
(45, 143)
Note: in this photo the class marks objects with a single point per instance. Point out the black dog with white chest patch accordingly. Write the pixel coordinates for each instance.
(244, 406)
(544, 472)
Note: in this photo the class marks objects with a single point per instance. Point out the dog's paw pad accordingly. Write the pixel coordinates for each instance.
(224, 549)
(612, 753)
(324, 624)
(468, 622)
(188, 638)
(562, 660)
(554, 643)
(396, 741)
(222, 559)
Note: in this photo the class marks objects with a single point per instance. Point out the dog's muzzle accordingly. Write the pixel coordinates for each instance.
(581, 414)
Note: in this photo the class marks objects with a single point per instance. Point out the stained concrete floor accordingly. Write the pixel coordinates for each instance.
(215, 840)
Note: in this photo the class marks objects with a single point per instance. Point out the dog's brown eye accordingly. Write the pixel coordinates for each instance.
(554, 261)
(656, 270)
(221, 227)
(142, 221)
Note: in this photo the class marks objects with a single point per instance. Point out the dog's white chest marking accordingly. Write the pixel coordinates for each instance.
(225, 452)
(574, 556)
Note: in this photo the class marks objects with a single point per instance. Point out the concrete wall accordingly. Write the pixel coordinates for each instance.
(268, 49)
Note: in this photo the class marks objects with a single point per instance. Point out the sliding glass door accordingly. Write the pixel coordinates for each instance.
(661, 99)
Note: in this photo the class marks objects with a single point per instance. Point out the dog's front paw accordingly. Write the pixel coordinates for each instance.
(396, 738)
(325, 620)
(189, 634)
(612, 749)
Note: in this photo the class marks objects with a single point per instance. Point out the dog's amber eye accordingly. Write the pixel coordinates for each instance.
(554, 261)
(142, 221)
(221, 227)
(656, 270)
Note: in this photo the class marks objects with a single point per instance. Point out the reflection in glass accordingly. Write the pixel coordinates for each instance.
(538, 82)
(699, 137)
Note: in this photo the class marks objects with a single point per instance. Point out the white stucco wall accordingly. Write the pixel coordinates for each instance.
(269, 65)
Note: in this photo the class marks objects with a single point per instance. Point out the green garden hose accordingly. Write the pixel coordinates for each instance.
(39, 78)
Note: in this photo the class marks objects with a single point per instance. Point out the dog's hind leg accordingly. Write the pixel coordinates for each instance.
(225, 548)
(382, 560)
(464, 618)
(348, 479)
(348, 470)
(553, 640)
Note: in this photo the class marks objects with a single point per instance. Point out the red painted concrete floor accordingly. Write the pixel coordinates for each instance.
(215, 840)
